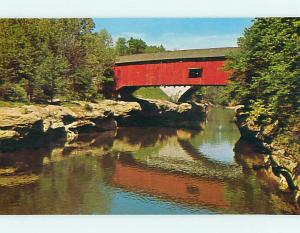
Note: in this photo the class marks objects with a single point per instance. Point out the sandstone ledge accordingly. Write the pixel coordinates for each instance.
(30, 124)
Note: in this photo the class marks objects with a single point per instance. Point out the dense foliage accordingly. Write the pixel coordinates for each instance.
(43, 59)
(211, 94)
(266, 74)
(135, 46)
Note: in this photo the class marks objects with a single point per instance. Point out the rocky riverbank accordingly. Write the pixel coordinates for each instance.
(281, 162)
(32, 125)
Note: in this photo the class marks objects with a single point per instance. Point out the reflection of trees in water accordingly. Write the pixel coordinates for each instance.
(245, 192)
(207, 162)
(254, 196)
(68, 183)
(219, 128)
(79, 182)
(24, 160)
(171, 149)
(257, 188)
(68, 187)
(247, 155)
(147, 136)
(144, 141)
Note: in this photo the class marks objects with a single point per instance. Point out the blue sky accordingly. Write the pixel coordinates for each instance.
(178, 33)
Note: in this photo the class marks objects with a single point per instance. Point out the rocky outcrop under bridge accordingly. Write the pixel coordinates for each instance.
(31, 125)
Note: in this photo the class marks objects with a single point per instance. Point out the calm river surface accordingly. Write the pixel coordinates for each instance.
(142, 171)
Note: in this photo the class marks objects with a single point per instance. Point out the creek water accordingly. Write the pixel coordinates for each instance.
(143, 171)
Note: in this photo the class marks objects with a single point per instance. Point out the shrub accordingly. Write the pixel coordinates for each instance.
(16, 92)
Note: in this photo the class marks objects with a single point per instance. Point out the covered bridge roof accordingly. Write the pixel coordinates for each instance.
(177, 55)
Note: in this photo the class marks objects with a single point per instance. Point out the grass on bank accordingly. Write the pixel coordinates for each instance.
(11, 104)
(151, 93)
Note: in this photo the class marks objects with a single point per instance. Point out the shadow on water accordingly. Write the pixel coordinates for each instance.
(142, 171)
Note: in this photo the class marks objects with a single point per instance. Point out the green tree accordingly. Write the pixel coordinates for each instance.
(15, 92)
(106, 38)
(136, 46)
(22, 51)
(266, 75)
(121, 46)
(154, 49)
(41, 59)
(266, 68)
(76, 31)
(98, 66)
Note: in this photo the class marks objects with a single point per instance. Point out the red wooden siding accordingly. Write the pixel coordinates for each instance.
(170, 74)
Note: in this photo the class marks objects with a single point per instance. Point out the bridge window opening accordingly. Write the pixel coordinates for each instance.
(195, 72)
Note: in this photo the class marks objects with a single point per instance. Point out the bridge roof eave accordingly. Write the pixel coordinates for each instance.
(210, 53)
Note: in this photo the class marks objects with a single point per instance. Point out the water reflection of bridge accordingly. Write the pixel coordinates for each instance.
(154, 162)
(181, 188)
(171, 151)
(170, 167)
(168, 164)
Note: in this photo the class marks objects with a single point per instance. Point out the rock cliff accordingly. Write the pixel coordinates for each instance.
(282, 160)
(33, 124)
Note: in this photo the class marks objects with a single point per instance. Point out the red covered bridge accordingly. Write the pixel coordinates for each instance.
(196, 67)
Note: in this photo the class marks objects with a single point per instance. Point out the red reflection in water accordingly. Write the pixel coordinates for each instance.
(185, 188)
